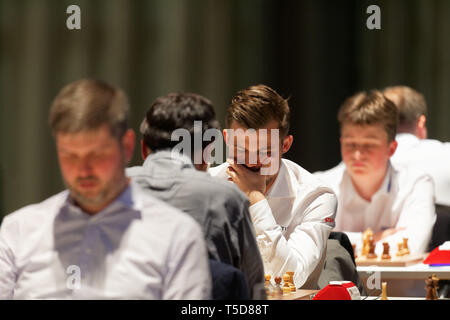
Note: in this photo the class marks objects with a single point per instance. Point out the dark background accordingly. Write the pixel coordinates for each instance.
(315, 52)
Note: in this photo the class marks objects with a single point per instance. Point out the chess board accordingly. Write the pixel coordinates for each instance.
(395, 261)
(297, 295)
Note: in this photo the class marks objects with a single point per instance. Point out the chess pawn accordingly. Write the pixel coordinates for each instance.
(291, 280)
(278, 291)
(270, 289)
(399, 249)
(385, 255)
(384, 291)
(371, 254)
(405, 246)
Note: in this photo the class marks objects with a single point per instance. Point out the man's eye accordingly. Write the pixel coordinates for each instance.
(70, 157)
(350, 145)
(368, 146)
(97, 157)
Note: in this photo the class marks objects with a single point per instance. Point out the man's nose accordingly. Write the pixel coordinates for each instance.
(84, 167)
(357, 154)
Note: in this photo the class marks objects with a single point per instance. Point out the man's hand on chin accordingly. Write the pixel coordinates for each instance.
(248, 179)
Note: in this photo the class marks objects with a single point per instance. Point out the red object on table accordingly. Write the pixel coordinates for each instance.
(339, 290)
(439, 256)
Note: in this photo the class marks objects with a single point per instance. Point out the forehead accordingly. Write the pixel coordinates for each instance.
(351, 131)
(86, 140)
(248, 138)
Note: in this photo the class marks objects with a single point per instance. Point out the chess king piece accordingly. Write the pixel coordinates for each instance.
(278, 290)
(371, 254)
(429, 288)
(385, 255)
(384, 291)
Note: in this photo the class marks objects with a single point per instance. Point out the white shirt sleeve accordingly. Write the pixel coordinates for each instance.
(7, 265)
(303, 249)
(418, 216)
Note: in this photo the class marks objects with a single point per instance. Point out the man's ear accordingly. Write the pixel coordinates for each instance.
(421, 127)
(145, 151)
(128, 143)
(287, 143)
(392, 147)
(224, 132)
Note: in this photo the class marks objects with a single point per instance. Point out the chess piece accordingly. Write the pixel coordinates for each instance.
(384, 291)
(429, 288)
(385, 255)
(399, 249)
(405, 246)
(270, 289)
(371, 254)
(291, 280)
(435, 280)
(287, 285)
(278, 291)
(286, 290)
(367, 235)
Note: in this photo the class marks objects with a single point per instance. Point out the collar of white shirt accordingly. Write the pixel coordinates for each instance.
(125, 200)
(284, 186)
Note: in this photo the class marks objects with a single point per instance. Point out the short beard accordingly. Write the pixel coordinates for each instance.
(105, 196)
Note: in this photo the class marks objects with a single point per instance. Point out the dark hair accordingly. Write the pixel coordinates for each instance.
(88, 104)
(410, 103)
(176, 111)
(371, 108)
(255, 106)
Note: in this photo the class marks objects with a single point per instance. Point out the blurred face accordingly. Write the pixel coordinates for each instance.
(92, 165)
(365, 150)
(258, 150)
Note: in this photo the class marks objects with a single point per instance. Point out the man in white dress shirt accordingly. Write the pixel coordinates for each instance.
(393, 201)
(104, 237)
(432, 156)
(292, 211)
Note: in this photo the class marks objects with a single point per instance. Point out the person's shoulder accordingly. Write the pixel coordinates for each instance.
(31, 217)
(134, 171)
(331, 177)
(408, 176)
(41, 210)
(155, 211)
(306, 179)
